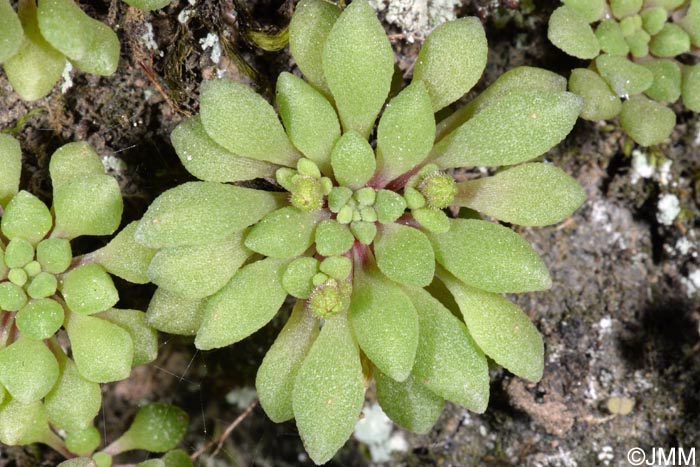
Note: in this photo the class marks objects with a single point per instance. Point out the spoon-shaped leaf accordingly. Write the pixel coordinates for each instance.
(40, 319)
(514, 129)
(26, 217)
(690, 87)
(102, 350)
(72, 161)
(353, 160)
(11, 34)
(174, 314)
(667, 80)
(284, 233)
(74, 401)
(625, 77)
(278, 371)
(448, 362)
(196, 271)
(328, 393)
(102, 55)
(406, 132)
(532, 194)
(570, 32)
(490, 257)
(240, 120)
(88, 289)
(145, 338)
(124, 257)
(28, 369)
(599, 102)
(408, 403)
(23, 423)
(500, 329)
(200, 212)
(157, 427)
(247, 303)
(405, 255)
(206, 160)
(384, 322)
(11, 162)
(358, 64)
(451, 60)
(311, 22)
(647, 122)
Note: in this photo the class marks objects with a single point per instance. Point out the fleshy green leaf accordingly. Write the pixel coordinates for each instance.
(691, 22)
(197, 271)
(490, 257)
(514, 129)
(78, 462)
(646, 121)
(389, 206)
(500, 329)
(28, 369)
(36, 67)
(90, 205)
(308, 30)
(54, 255)
(515, 80)
(653, 19)
(404, 255)
(611, 39)
(244, 123)
(333, 238)
(624, 77)
(26, 217)
(102, 55)
(622, 8)
(11, 34)
(448, 362)
(247, 303)
(353, 160)
(358, 64)
(11, 163)
(591, 10)
(206, 160)
(40, 319)
(66, 27)
(144, 338)
(124, 257)
(667, 80)
(599, 102)
(531, 194)
(72, 161)
(171, 313)
(284, 233)
(570, 32)
(157, 427)
(384, 323)
(200, 212)
(309, 119)
(88, 289)
(297, 279)
(451, 60)
(408, 403)
(74, 401)
(672, 40)
(84, 441)
(690, 87)
(405, 133)
(328, 392)
(23, 423)
(148, 4)
(177, 458)
(102, 351)
(278, 371)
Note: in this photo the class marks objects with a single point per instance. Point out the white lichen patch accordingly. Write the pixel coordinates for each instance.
(114, 166)
(241, 397)
(67, 80)
(148, 39)
(606, 455)
(641, 167)
(375, 430)
(212, 42)
(668, 209)
(184, 16)
(692, 283)
(416, 18)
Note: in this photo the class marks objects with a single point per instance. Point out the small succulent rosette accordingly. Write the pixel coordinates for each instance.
(387, 284)
(44, 289)
(634, 45)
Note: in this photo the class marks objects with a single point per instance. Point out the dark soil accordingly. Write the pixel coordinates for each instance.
(620, 321)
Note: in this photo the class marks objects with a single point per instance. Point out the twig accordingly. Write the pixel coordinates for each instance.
(220, 440)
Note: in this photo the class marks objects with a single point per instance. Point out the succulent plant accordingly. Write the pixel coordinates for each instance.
(44, 288)
(37, 42)
(388, 282)
(634, 45)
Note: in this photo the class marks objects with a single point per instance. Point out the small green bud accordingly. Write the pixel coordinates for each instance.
(308, 167)
(42, 285)
(338, 197)
(319, 278)
(368, 214)
(297, 278)
(333, 238)
(337, 267)
(83, 442)
(12, 297)
(432, 219)
(628, 26)
(356, 216)
(284, 176)
(622, 8)
(18, 277)
(364, 231)
(389, 206)
(306, 193)
(102, 459)
(653, 19)
(414, 198)
(326, 185)
(365, 196)
(639, 43)
(330, 298)
(32, 268)
(18, 253)
(345, 215)
(54, 254)
(40, 318)
(439, 190)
